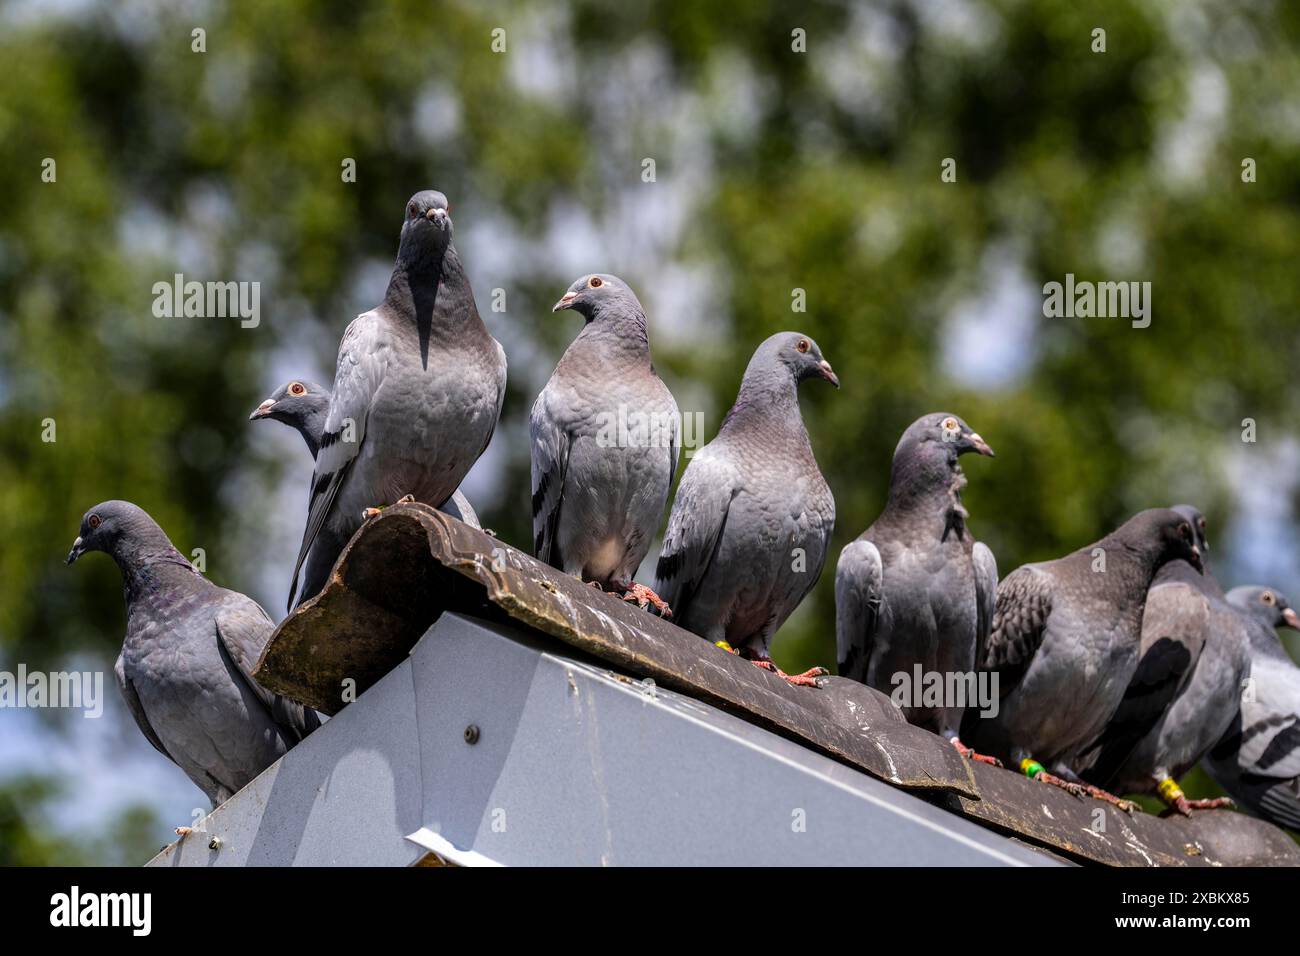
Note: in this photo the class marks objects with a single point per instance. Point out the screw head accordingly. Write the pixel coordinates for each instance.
(215, 843)
(471, 734)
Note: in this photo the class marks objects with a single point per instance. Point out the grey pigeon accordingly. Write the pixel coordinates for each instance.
(300, 405)
(304, 405)
(915, 590)
(753, 517)
(417, 393)
(604, 435)
(1183, 695)
(186, 665)
(1258, 759)
(1064, 646)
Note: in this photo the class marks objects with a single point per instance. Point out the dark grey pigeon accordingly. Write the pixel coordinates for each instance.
(186, 665)
(1183, 695)
(604, 434)
(304, 405)
(417, 394)
(915, 589)
(752, 521)
(1258, 760)
(1064, 646)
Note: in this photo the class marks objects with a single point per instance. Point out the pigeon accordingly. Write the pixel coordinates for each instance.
(1064, 645)
(1258, 760)
(303, 406)
(915, 590)
(752, 521)
(605, 441)
(417, 394)
(300, 405)
(1183, 695)
(186, 665)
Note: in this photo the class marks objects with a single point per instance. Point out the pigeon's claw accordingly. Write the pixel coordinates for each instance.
(813, 677)
(183, 832)
(368, 513)
(970, 754)
(644, 598)
(1086, 790)
(1176, 800)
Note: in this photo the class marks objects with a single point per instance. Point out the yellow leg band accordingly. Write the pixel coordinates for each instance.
(725, 646)
(1030, 768)
(1169, 790)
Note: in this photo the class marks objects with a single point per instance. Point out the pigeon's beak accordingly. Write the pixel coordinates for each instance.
(261, 411)
(1197, 563)
(566, 302)
(1290, 619)
(979, 445)
(438, 217)
(78, 549)
(828, 373)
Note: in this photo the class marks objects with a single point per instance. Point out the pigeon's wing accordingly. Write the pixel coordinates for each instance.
(1269, 745)
(1260, 752)
(1024, 602)
(986, 591)
(360, 369)
(695, 528)
(859, 592)
(137, 709)
(243, 630)
(550, 462)
(1172, 626)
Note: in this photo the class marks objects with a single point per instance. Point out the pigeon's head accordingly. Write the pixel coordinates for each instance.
(1166, 533)
(1197, 521)
(941, 433)
(593, 294)
(427, 226)
(293, 403)
(1269, 606)
(104, 527)
(796, 352)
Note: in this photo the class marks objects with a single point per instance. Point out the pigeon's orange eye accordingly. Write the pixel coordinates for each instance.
(803, 345)
(1267, 597)
(297, 389)
(950, 424)
(94, 521)
(1201, 524)
(595, 282)
(412, 210)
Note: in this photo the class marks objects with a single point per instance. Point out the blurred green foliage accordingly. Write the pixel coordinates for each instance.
(816, 170)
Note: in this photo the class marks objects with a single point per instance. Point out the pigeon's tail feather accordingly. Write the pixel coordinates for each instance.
(323, 495)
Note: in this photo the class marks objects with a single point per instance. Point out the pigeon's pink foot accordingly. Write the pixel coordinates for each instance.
(1086, 790)
(644, 598)
(183, 832)
(1185, 806)
(1177, 801)
(809, 678)
(970, 754)
(369, 513)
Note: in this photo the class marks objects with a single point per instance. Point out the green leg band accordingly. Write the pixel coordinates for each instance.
(1032, 768)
